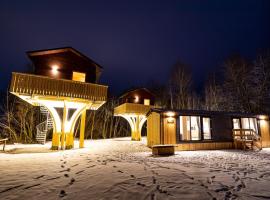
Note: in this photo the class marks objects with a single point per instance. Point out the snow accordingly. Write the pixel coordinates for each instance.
(123, 169)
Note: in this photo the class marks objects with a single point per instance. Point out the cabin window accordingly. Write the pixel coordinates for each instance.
(190, 128)
(245, 123)
(147, 102)
(206, 128)
(249, 123)
(78, 76)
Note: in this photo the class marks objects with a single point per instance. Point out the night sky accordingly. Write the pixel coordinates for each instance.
(135, 41)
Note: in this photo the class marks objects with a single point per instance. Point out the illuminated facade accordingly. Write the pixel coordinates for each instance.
(198, 130)
(133, 107)
(64, 81)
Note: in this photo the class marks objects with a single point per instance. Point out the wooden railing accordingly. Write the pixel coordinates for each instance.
(132, 108)
(245, 137)
(30, 84)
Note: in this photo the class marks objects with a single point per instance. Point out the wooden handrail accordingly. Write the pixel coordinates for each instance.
(30, 84)
(245, 135)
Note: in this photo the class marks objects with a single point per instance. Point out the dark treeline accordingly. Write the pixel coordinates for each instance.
(241, 86)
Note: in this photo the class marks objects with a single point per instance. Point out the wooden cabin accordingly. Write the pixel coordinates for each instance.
(134, 105)
(65, 63)
(64, 85)
(198, 130)
(138, 96)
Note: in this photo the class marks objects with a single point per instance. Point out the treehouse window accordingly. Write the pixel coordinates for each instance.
(147, 102)
(77, 76)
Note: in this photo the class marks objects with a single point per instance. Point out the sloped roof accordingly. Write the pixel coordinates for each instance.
(60, 50)
(133, 90)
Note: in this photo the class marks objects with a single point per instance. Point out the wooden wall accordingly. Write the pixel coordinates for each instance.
(153, 129)
(265, 132)
(142, 93)
(204, 146)
(221, 128)
(169, 130)
(67, 62)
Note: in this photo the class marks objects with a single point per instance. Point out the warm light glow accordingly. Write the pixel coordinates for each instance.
(55, 69)
(262, 117)
(169, 114)
(147, 102)
(136, 99)
(170, 120)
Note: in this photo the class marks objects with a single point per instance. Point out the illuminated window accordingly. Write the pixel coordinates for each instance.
(147, 102)
(206, 128)
(77, 76)
(190, 128)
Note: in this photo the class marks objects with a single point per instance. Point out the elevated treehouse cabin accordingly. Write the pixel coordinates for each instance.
(134, 105)
(64, 83)
(198, 130)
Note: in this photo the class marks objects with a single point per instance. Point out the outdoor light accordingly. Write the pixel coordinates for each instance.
(170, 120)
(55, 69)
(262, 117)
(169, 114)
(136, 99)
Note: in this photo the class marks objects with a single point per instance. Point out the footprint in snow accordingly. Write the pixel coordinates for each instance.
(71, 181)
(62, 193)
(39, 177)
(79, 172)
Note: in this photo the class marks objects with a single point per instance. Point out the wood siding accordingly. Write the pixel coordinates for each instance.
(204, 146)
(265, 132)
(27, 84)
(67, 62)
(131, 108)
(169, 130)
(153, 129)
(141, 94)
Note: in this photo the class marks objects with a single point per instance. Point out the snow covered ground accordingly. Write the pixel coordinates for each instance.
(124, 169)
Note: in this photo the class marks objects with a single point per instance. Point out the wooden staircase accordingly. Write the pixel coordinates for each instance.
(44, 127)
(247, 139)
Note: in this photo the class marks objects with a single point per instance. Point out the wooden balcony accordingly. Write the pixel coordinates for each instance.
(131, 108)
(34, 85)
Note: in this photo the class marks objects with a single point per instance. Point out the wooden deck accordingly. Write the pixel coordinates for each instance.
(131, 108)
(31, 85)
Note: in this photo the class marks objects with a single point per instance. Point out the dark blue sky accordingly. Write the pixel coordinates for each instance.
(135, 41)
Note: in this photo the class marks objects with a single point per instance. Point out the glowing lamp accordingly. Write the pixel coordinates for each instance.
(170, 120)
(169, 114)
(55, 69)
(136, 99)
(262, 117)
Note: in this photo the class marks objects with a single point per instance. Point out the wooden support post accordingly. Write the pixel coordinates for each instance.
(55, 140)
(82, 128)
(65, 112)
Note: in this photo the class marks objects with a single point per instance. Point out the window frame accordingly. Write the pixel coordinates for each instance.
(201, 132)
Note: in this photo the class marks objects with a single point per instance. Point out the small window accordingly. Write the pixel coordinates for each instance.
(77, 76)
(147, 102)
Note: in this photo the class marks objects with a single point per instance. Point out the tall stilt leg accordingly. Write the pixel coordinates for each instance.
(65, 111)
(82, 129)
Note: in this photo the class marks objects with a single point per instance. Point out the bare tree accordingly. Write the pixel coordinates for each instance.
(180, 86)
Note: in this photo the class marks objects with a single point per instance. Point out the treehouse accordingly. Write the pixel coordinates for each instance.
(133, 107)
(198, 130)
(64, 83)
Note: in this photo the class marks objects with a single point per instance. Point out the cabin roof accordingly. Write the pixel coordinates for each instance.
(205, 112)
(133, 90)
(31, 54)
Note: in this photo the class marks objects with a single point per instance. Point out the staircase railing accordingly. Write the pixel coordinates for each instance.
(44, 127)
(245, 137)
